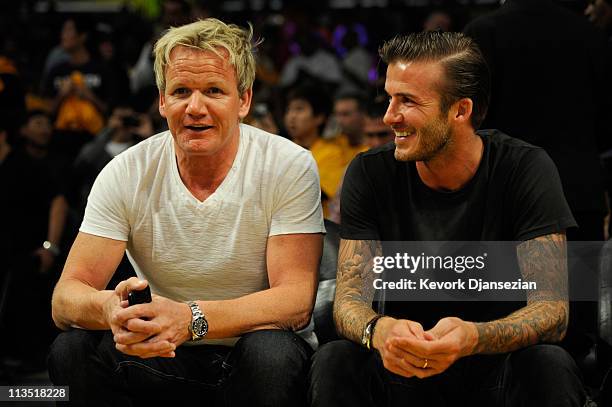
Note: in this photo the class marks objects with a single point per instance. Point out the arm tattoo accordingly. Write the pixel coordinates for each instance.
(544, 319)
(354, 287)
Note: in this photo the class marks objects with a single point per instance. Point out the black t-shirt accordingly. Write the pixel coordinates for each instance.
(515, 195)
(28, 186)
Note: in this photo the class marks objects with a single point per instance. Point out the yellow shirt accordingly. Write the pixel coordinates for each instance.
(332, 157)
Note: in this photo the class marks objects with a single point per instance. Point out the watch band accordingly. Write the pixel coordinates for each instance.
(199, 325)
(368, 332)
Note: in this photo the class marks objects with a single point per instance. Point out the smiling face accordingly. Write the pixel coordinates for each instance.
(422, 131)
(201, 102)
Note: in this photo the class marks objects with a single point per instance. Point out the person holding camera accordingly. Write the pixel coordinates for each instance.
(125, 128)
(221, 221)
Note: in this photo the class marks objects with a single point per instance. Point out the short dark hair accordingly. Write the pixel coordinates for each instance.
(351, 95)
(316, 96)
(467, 73)
(318, 99)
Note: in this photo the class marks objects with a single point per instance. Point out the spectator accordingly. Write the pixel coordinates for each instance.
(377, 133)
(32, 213)
(349, 112)
(308, 108)
(221, 221)
(313, 62)
(125, 128)
(356, 63)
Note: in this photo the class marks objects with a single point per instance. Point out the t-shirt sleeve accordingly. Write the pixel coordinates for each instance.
(357, 205)
(106, 212)
(297, 199)
(539, 201)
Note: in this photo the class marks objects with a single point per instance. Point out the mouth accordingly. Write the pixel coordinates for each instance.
(198, 127)
(403, 133)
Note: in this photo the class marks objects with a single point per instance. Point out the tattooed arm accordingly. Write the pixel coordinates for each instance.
(544, 319)
(354, 289)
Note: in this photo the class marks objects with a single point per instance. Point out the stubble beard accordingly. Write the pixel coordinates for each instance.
(432, 139)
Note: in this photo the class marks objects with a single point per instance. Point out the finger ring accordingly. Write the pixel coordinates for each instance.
(425, 364)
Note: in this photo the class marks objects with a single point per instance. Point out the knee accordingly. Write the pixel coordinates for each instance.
(272, 351)
(68, 354)
(334, 357)
(544, 360)
(547, 375)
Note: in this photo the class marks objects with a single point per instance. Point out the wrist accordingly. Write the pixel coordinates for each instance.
(472, 338)
(380, 333)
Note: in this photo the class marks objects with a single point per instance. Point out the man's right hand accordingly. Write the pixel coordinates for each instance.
(136, 330)
(395, 359)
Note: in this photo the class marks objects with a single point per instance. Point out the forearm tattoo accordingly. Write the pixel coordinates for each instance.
(354, 287)
(544, 319)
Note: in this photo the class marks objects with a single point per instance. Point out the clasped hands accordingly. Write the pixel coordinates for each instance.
(148, 330)
(409, 351)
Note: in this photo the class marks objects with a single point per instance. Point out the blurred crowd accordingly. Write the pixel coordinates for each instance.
(76, 89)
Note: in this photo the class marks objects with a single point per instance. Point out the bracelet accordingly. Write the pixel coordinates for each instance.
(368, 332)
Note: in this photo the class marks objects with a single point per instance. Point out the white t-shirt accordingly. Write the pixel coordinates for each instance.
(211, 250)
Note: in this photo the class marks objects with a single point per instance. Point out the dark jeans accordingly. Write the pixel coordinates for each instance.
(345, 374)
(264, 368)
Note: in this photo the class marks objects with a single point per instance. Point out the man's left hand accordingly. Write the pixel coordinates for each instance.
(173, 318)
(453, 339)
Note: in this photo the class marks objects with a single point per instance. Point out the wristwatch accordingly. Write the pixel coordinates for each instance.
(50, 247)
(199, 325)
(368, 332)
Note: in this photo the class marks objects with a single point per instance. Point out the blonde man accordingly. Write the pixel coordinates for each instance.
(222, 221)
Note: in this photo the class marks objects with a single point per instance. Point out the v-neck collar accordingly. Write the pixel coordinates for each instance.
(221, 190)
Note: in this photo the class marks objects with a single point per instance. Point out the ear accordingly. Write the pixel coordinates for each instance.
(162, 104)
(245, 103)
(462, 111)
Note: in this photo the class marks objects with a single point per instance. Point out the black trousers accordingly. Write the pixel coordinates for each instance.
(345, 374)
(264, 368)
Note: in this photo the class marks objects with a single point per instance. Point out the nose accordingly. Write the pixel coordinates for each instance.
(392, 115)
(196, 105)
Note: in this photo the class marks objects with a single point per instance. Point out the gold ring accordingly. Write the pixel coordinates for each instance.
(425, 364)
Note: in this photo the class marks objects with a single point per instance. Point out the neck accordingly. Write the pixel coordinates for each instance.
(35, 150)
(202, 175)
(79, 56)
(355, 139)
(121, 136)
(455, 166)
(307, 140)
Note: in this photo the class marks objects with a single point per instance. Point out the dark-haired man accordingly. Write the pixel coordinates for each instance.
(308, 108)
(444, 181)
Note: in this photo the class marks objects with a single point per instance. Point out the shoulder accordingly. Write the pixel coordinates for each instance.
(503, 143)
(267, 149)
(145, 154)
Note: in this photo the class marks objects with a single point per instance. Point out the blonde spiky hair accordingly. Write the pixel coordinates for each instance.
(209, 35)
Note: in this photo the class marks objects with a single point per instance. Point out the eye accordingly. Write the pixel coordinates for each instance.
(180, 92)
(214, 91)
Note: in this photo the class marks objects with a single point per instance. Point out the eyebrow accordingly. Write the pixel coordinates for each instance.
(402, 94)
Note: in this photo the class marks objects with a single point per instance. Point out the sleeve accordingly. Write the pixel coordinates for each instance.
(297, 199)
(106, 212)
(357, 205)
(538, 198)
